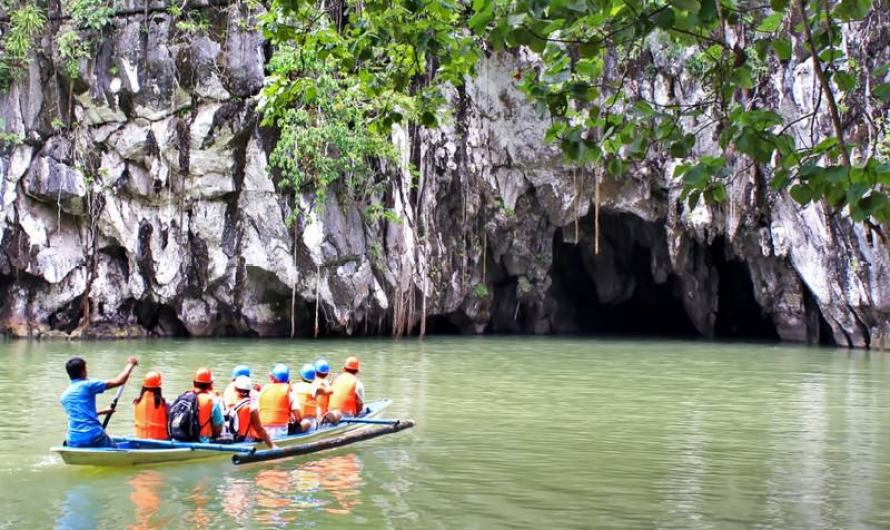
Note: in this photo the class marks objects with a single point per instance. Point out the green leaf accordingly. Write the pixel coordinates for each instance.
(848, 10)
(644, 108)
(780, 179)
(802, 193)
(572, 148)
(782, 47)
(686, 5)
(665, 19)
(615, 167)
(591, 68)
(882, 91)
(771, 23)
(845, 81)
(741, 77)
(778, 5)
(481, 19)
(753, 145)
(428, 119)
(693, 199)
(718, 193)
(873, 202)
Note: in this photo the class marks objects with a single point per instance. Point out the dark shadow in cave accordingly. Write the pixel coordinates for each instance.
(738, 313)
(616, 293)
(441, 325)
(160, 319)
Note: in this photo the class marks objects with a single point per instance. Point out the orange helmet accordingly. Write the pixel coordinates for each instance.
(351, 364)
(152, 380)
(203, 375)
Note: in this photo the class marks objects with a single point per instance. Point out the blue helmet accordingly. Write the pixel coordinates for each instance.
(240, 370)
(307, 372)
(322, 367)
(281, 373)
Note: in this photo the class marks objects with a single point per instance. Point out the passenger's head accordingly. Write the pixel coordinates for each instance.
(242, 385)
(351, 365)
(322, 368)
(151, 383)
(152, 380)
(76, 368)
(307, 372)
(203, 379)
(280, 373)
(240, 370)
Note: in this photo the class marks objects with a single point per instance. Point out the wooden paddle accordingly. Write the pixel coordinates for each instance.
(117, 397)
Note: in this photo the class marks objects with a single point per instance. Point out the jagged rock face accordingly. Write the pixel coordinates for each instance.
(154, 212)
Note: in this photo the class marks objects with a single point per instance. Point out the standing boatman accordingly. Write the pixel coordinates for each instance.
(79, 402)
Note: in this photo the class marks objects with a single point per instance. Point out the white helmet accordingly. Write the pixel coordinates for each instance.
(242, 382)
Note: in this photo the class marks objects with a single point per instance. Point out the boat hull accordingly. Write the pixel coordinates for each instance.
(131, 452)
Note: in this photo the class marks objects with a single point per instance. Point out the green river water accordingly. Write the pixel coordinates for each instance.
(511, 433)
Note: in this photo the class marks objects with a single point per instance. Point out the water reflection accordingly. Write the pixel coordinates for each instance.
(340, 476)
(79, 509)
(332, 484)
(146, 498)
(273, 490)
(667, 435)
(237, 493)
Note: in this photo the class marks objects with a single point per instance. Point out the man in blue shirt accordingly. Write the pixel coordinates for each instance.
(79, 401)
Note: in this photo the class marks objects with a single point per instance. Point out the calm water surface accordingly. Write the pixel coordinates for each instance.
(511, 433)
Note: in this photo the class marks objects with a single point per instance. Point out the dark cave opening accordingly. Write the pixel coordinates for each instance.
(159, 319)
(616, 292)
(738, 313)
(441, 325)
(630, 289)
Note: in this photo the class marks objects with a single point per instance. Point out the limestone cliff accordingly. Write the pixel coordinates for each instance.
(140, 193)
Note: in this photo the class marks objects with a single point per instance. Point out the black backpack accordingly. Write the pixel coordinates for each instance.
(182, 422)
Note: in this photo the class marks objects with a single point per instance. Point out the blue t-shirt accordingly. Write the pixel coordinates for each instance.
(79, 401)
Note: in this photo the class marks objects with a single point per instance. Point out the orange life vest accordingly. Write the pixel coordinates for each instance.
(151, 421)
(322, 399)
(275, 404)
(306, 398)
(241, 410)
(205, 412)
(230, 395)
(344, 398)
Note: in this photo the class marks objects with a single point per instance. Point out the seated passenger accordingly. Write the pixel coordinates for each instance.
(245, 414)
(150, 414)
(210, 412)
(348, 397)
(322, 388)
(79, 402)
(230, 395)
(305, 392)
(278, 405)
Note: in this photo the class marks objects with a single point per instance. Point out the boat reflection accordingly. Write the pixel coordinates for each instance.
(340, 476)
(277, 496)
(79, 509)
(146, 500)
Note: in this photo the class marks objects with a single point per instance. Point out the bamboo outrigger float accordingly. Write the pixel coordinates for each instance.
(136, 451)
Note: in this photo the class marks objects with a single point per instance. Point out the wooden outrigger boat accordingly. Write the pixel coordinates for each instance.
(135, 451)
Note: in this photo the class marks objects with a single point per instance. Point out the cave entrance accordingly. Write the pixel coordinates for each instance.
(738, 313)
(625, 290)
